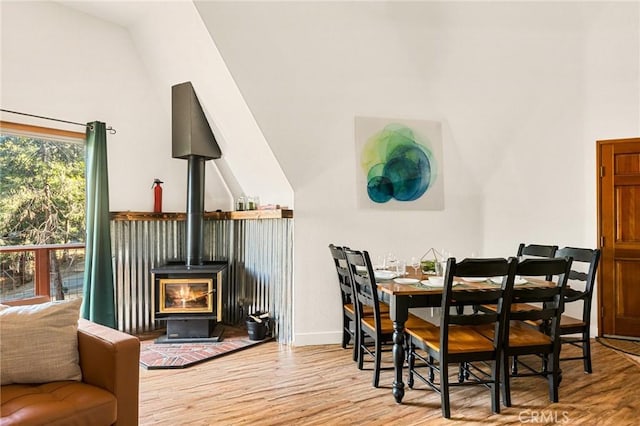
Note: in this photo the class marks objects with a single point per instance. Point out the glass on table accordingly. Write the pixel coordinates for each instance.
(390, 261)
(441, 267)
(415, 264)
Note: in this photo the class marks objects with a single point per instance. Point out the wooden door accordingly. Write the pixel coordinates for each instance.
(619, 230)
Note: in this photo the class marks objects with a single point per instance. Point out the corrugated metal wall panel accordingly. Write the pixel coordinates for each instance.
(259, 275)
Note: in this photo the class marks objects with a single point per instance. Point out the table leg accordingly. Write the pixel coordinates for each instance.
(398, 360)
(399, 311)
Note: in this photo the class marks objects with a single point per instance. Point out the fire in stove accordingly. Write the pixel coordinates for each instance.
(186, 295)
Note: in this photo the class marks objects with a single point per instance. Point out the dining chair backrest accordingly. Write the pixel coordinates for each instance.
(583, 269)
(342, 269)
(579, 288)
(471, 296)
(528, 251)
(363, 281)
(536, 250)
(549, 297)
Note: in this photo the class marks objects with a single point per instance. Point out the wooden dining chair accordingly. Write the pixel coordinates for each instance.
(530, 251)
(375, 326)
(455, 340)
(349, 317)
(579, 290)
(523, 338)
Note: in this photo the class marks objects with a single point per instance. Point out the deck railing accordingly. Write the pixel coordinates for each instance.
(54, 270)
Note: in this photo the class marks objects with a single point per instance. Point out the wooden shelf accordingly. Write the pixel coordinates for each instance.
(217, 215)
(259, 214)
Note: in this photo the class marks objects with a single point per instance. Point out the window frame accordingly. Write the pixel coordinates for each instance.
(42, 253)
(40, 132)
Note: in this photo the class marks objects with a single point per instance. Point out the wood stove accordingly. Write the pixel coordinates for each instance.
(188, 293)
(189, 300)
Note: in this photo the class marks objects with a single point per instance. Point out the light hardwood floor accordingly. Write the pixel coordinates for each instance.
(271, 384)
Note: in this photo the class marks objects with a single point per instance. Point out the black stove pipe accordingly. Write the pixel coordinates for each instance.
(193, 140)
(194, 241)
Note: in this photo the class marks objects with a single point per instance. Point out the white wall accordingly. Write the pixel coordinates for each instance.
(523, 90)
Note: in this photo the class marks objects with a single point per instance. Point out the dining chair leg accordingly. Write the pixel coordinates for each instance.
(345, 331)
(506, 386)
(444, 390)
(356, 341)
(553, 388)
(495, 386)
(376, 365)
(360, 351)
(463, 372)
(431, 376)
(586, 352)
(554, 378)
(545, 364)
(411, 362)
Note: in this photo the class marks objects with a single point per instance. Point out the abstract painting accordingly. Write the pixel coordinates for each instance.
(399, 164)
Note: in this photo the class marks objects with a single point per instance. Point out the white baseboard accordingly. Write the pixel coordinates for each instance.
(317, 338)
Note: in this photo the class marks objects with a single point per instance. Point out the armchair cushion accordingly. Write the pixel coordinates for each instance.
(40, 342)
(58, 403)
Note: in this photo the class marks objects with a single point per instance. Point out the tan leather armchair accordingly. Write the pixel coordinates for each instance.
(107, 394)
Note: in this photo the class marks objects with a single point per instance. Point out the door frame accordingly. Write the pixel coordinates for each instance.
(606, 247)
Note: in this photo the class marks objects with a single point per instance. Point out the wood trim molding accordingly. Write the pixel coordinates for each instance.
(217, 215)
(40, 130)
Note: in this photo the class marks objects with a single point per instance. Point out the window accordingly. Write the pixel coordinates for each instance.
(42, 201)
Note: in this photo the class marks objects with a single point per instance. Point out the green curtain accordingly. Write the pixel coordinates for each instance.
(99, 301)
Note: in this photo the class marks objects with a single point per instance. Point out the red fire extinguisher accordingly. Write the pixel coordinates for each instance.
(157, 195)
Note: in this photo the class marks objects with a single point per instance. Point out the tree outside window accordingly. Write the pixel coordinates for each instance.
(42, 198)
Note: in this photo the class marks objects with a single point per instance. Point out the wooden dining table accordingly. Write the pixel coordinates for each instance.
(402, 297)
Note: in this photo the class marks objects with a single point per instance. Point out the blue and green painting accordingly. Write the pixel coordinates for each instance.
(398, 165)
